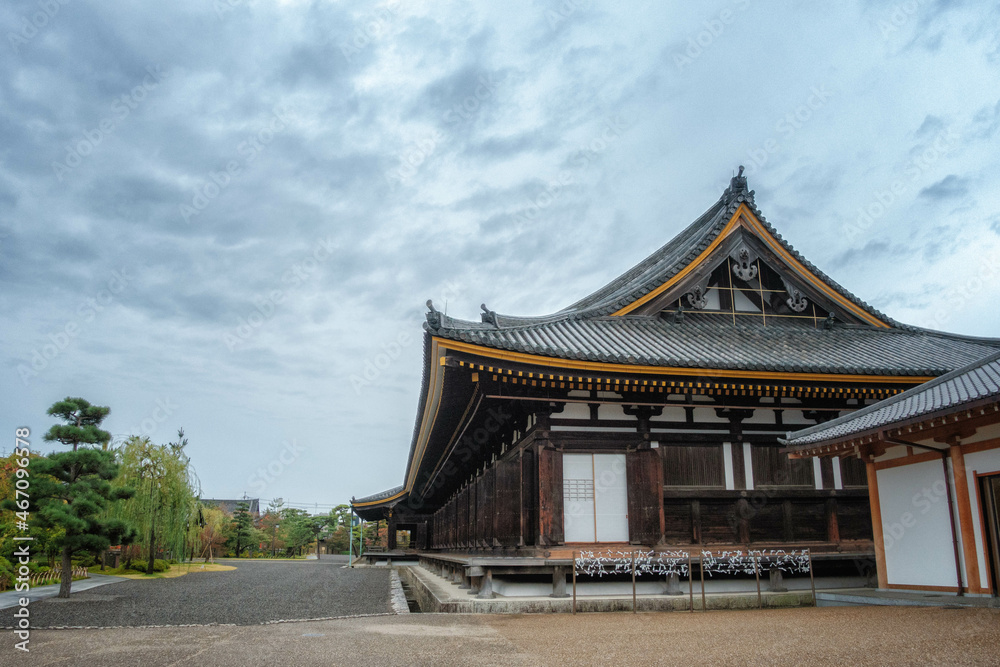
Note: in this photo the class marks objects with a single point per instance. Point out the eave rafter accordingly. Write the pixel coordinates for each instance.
(715, 386)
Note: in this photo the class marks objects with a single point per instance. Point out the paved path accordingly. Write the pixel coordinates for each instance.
(10, 599)
(256, 592)
(833, 635)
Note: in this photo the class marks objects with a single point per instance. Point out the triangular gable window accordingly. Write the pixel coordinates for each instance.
(745, 289)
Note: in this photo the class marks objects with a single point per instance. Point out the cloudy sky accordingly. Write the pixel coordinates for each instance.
(218, 214)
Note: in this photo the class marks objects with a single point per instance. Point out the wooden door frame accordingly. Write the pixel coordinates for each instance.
(991, 537)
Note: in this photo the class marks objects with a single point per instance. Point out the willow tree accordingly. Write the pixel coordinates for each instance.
(164, 500)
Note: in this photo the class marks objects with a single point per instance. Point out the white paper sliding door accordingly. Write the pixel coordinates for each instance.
(595, 498)
(578, 498)
(610, 498)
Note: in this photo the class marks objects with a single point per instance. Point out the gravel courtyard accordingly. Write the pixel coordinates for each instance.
(256, 592)
(795, 637)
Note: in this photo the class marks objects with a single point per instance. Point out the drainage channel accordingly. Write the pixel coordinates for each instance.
(411, 601)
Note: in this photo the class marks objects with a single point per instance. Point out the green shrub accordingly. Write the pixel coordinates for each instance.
(173, 561)
(160, 565)
(85, 560)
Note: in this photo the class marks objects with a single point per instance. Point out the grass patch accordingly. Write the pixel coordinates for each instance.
(174, 571)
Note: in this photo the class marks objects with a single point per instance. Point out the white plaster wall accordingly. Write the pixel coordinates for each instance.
(727, 457)
(708, 416)
(917, 532)
(670, 414)
(795, 417)
(612, 411)
(761, 417)
(980, 463)
(573, 411)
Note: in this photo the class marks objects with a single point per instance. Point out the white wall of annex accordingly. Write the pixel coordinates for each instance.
(919, 550)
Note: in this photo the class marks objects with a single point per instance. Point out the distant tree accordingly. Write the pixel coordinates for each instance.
(340, 516)
(164, 501)
(71, 490)
(242, 527)
(213, 531)
(301, 529)
(275, 505)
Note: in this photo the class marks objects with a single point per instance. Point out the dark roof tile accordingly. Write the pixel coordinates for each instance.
(976, 381)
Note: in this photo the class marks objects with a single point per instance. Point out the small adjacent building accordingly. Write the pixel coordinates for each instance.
(649, 412)
(932, 459)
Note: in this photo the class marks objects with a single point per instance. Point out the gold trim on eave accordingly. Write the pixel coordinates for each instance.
(745, 217)
(539, 360)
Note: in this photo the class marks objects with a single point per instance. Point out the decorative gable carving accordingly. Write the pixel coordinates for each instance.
(744, 266)
(796, 300)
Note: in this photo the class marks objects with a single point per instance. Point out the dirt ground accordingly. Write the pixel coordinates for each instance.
(829, 635)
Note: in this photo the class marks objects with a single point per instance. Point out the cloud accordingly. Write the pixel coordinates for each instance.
(500, 110)
(949, 187)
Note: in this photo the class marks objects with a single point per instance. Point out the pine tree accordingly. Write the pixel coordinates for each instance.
(243, 524)
(71, 490)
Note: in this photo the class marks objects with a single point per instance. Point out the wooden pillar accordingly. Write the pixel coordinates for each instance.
(743, 521)
(494, 504)
(826, 472)
(520, 498)
(390, 533)
(787, 523)
(696, 522)
(832, 521)
(964, 506)
(421, 536)
(876, 509)
(739, 468)
(473, 515)
(550, 497)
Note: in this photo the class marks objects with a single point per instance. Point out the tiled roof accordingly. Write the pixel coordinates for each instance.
(229, 506)
(713, 342)
(377, 496)
(974, 382)
(672, 258)
(587, 330)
